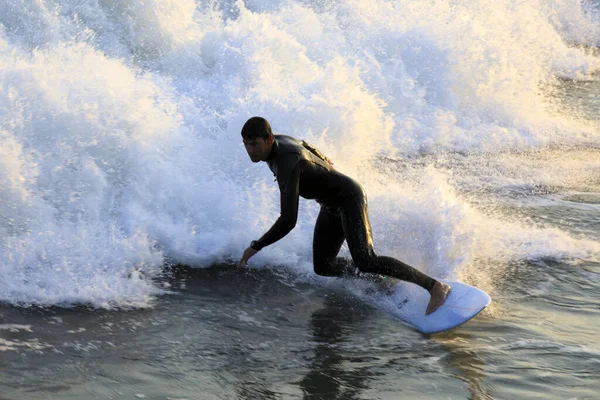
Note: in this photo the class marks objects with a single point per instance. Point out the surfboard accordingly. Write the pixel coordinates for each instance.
(409, 302)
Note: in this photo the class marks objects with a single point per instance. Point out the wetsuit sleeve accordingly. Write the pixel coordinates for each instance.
(289, 187)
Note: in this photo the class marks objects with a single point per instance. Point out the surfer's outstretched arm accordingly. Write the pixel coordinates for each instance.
(284, 224)
(289, 199)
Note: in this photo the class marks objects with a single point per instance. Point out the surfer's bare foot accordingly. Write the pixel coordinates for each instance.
(438, 293)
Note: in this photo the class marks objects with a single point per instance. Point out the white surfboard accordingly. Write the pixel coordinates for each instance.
(409, 302)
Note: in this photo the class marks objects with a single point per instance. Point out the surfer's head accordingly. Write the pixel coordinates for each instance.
(258, 138)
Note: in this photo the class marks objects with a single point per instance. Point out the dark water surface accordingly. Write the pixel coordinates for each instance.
(225, 334)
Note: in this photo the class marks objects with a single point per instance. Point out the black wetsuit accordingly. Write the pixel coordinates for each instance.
(301, 170)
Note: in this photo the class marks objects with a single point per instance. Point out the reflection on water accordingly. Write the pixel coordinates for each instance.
(327, 378)
(463, 357)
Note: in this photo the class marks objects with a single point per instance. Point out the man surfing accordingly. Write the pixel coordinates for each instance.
(301, 170)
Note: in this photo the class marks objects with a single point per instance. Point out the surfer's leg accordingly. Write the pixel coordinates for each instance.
(327, 241)
(357, 229)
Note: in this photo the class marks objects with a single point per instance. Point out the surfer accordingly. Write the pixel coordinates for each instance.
(301, 170)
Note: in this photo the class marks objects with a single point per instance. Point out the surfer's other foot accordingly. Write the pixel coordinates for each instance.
(438, 293)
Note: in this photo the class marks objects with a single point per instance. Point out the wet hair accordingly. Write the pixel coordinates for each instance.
(256, 127)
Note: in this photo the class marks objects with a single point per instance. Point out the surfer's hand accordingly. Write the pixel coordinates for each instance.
(248, 253)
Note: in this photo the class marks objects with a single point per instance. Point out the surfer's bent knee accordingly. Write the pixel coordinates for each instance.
(324, 268)
(367, 263)
(320, 270)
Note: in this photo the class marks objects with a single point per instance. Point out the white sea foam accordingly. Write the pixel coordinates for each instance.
(119, 129)
(15, 328)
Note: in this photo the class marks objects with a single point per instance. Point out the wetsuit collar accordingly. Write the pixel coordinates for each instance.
(273, 151)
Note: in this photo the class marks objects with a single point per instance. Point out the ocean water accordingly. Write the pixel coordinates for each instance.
(126, 196)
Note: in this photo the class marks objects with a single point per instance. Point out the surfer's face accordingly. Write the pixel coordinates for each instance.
(258, 149)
